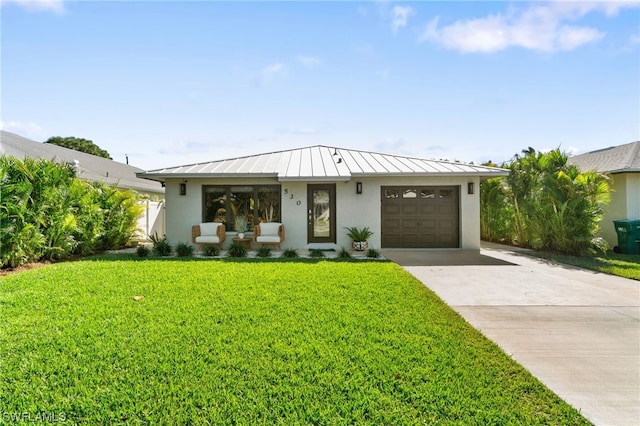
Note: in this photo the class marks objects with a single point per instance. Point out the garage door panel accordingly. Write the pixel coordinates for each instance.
(422, 217)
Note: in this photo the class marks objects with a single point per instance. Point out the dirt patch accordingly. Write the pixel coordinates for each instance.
(27, 267)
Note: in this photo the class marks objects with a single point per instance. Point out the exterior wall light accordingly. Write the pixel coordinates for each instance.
(358, 187)
(470, 188)
(183, 188)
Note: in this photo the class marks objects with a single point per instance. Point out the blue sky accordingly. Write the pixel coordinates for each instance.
(171, 83)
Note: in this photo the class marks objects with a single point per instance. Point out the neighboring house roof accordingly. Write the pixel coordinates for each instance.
(91, 167)
(616, 159)
(321, 163)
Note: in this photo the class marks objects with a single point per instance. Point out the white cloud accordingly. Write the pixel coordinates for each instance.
(400, 16)
(309, 61)
(56, 6)
(541, 27)
(27, 130)
(273, 72)
(634, 39)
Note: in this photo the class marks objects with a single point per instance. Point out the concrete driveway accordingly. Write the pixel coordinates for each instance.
(577, 331)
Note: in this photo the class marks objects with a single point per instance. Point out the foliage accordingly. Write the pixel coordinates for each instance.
(545, 203)
(264, 252)
(290, 253)
(161, 246)
(253, 343)
(316, 253)
(242, 224)
(46, 212)
(359, 234)
(621, 265)
(143, 251)
(79, 144)
(373, 253)
(184, 250)
(344, 254)
(211, 250)
(237, 249)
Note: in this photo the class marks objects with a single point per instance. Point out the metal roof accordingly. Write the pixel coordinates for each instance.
(322, 163)
(91, 167)
(616, 159)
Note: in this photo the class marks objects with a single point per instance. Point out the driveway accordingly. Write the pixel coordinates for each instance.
(577, 331)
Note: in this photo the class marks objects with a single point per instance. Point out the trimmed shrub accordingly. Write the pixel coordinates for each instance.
(211, 251)
(161, 246)
(290, 253)
(316, 253)
(344, 254)
(184, 250)
(237, 250)
(373, 253)
(143, 251)
(264, 252)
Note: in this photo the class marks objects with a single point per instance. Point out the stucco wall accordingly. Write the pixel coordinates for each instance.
(183, 211)
(625, 204)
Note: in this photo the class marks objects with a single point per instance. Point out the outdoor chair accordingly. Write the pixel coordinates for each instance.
(208, 233)
(269, 233)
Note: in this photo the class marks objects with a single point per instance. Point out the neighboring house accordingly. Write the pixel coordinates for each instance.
(622, 163)
(94, 168)
(318, 191)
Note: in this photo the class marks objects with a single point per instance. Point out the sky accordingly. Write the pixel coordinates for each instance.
(171, 83)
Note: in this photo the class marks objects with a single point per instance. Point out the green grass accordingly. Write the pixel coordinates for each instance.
(221, 342)
(622, 265)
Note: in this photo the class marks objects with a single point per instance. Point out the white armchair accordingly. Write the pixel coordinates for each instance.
(269, 233)
(208, 233)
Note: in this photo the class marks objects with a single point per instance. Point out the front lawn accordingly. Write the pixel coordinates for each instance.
(622, 265)
(252, 343)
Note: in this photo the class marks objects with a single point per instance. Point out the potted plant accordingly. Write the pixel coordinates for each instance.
(359, 237)
(242, 225)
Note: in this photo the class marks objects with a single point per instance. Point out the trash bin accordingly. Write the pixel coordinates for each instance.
(628, 231)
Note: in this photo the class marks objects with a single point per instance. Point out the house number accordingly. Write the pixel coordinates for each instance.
(286, 192)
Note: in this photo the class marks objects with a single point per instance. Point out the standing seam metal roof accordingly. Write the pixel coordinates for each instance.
(322, 163)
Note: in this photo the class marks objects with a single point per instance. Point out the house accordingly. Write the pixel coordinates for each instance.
(622, 163)
(317, 191)
(97, 169)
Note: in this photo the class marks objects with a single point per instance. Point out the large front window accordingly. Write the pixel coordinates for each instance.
(258, 203)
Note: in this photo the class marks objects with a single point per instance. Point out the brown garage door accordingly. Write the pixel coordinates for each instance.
(420, 217)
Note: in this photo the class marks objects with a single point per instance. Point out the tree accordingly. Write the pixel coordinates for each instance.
(79, 144)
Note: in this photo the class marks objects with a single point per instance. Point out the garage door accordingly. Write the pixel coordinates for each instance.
(420, 217)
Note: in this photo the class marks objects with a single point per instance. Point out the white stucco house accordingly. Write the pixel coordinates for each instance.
(317, 191)
(622, 163)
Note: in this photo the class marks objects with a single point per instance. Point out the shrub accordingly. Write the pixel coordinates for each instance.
(316, 253)
(264, 252)
(237, 250)
(373, 253)
(290, 253)
(358, 234)
(143, 251)
(161, 246)
(344, 254)
(184, 250)
(210, 250)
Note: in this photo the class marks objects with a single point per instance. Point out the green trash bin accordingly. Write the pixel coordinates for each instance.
(628, 235)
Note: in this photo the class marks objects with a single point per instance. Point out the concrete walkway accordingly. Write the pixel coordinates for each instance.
(577, 331)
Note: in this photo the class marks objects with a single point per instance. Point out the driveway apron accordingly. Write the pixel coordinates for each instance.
(577, 331)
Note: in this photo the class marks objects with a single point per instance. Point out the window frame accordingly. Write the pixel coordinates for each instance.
(229, 217)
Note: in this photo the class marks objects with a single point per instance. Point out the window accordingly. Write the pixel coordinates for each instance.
(258, 203)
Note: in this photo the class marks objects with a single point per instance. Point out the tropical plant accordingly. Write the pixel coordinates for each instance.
(344, 254)
(184, 250)
(290, 253)
(161, 246)
(264, 252)
(237, 249)
(242, 224)
(316, 253)
(211, 250)
(373, 253)
(545, 203)
(143, 251)
(358, 234)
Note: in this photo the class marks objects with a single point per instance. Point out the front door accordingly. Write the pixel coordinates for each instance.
(321, 213)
